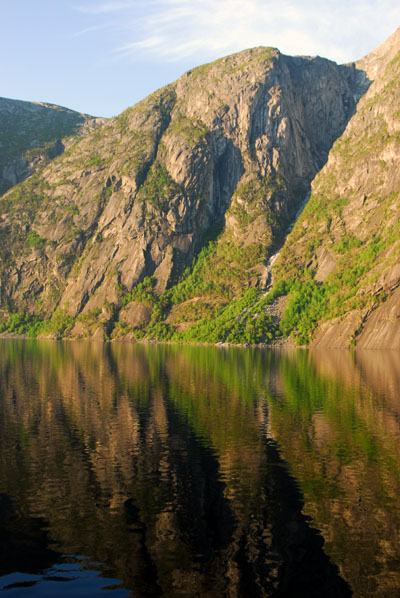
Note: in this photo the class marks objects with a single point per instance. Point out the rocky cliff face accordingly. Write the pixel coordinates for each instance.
(344, 250)
(227, 152)
(33, 133)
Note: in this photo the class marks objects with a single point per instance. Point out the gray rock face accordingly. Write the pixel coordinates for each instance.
(233, 143)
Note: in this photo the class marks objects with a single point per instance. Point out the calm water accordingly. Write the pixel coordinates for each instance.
(198, 472)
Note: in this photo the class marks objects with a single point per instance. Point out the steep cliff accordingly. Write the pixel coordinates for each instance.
(32, 133)
(341, 262)
(218, 161)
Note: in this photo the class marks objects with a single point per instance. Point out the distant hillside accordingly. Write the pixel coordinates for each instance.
(31, 133)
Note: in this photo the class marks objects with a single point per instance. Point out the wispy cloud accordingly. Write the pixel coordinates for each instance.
(179, 30)
(104, 8)
(91, 29)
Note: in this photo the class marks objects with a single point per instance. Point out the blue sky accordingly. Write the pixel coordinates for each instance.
(101, 56)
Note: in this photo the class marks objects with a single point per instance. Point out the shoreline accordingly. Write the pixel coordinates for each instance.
(285, 343)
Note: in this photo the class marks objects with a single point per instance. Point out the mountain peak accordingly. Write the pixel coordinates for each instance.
(376, 61)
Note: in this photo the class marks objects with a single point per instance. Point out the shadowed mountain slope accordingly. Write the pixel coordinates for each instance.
(341, 261)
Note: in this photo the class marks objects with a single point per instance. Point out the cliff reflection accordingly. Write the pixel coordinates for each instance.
(166, 463)
(336, 418)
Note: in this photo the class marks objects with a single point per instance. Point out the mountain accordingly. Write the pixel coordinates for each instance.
(341, 261)
(161, 223)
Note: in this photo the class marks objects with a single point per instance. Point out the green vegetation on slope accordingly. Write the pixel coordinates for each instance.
(205, 307)
(32, 325)
(159, 187)
(359, 265)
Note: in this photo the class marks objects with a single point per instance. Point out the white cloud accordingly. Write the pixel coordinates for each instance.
(174, 30)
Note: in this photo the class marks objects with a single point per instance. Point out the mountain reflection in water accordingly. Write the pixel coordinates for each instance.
(200, 471)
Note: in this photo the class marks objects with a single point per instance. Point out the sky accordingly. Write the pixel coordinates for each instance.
(102, 56)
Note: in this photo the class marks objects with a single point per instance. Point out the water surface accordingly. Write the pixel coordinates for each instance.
(132, 470)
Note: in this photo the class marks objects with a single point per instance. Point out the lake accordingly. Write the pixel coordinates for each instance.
(188, 471)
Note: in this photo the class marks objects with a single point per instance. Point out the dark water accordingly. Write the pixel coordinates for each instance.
(198, 472)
